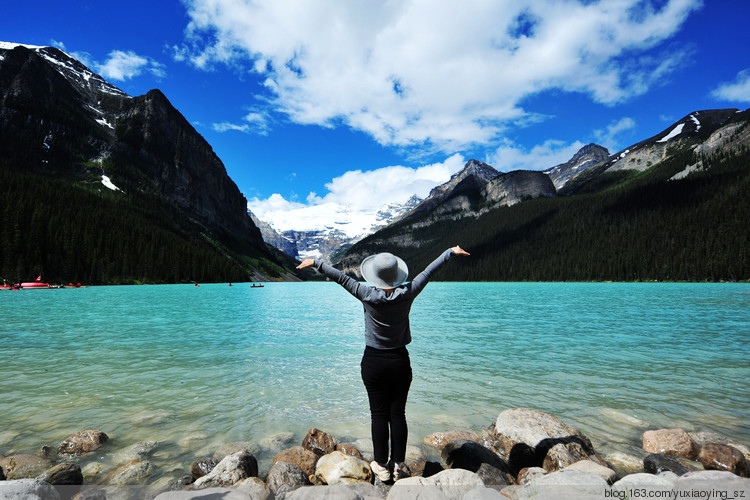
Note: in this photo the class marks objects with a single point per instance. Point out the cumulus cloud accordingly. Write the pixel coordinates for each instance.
(610, 137)
(124, 65)
(441, 74)
(367, 190)
(737, 91)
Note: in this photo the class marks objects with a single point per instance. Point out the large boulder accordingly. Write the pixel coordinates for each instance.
(449, 484)
(524, 437)
(214, 493)
(594, 468)
(231, 470)
(28, 489)
(469, 455)
(83, 442)
(675, 442)
(358, 491)
(319, 442)
(299, 456)
(285, 477)
(724, 457)
(722, 483)
(337, 468)
(643, 480)
(23, 466)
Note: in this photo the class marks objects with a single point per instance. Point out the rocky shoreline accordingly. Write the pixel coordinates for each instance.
(524, 453)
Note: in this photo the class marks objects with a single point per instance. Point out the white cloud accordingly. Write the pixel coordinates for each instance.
(226, 126)
(510, 156)
(255, 123)
(439, 73)
(738, 90)
(123, 65)
(609, 137)
(368, 190)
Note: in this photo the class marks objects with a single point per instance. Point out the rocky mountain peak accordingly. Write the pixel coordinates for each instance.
(478, 169)
(585, 158)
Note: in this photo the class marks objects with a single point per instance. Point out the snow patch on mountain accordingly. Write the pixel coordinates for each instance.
(674, 133)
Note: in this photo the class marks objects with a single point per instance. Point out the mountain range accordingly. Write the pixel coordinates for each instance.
(669, 207)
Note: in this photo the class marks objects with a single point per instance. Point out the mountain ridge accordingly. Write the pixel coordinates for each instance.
(62, 122)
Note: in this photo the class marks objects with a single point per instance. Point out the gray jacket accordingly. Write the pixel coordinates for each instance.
(386, 313)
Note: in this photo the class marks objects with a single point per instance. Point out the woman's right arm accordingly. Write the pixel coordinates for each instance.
(351, 285)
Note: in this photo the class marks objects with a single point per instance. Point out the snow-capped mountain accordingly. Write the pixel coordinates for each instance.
(321, 230)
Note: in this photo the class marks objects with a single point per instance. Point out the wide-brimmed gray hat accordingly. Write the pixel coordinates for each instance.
(384, 270)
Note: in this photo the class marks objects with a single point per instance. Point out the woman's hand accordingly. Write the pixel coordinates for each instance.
(459, 251)
(306, 263)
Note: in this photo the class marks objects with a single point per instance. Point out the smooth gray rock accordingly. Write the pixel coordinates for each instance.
(27, 489)
(230, 470)
(285, 477)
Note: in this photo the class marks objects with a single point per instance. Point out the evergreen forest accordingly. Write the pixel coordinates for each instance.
(82, 232)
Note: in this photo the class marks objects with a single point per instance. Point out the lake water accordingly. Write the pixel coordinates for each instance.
(194, 368)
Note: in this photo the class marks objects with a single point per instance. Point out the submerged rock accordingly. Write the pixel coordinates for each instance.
(231, 448)
(63, 474)
(132, 473)
(656, 463)
(24, 466)
(83, 442)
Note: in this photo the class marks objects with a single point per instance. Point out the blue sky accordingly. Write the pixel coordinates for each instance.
(363, 102)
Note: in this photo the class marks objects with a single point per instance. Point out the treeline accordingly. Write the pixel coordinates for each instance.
(635, 226)
(86, 233)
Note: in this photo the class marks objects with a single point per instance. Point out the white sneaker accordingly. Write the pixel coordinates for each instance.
(400, 471)
(380, 472)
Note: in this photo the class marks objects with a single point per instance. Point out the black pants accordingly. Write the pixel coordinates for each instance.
(387, 377)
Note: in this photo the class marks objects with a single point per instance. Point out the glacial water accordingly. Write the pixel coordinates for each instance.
(193, 368)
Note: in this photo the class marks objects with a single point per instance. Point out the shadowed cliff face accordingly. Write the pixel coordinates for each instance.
(59, 118)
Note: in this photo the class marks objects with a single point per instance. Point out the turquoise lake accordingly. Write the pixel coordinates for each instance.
(196, 367)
